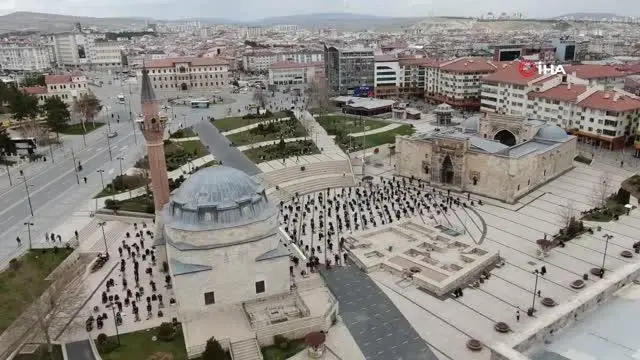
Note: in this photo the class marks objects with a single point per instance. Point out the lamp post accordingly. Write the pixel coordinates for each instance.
(104, 237)
(51, 152)
(101, 171)
(8, 174)
(109, 147)
(29, 224)
(26, 188)
(133, 124)
(75, 167)
(606, 237)
(536, 272)
(115, 322)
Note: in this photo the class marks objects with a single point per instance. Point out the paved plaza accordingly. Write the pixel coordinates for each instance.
(512, 230)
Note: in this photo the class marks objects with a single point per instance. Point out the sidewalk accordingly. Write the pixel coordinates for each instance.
(183, 170)
(318, 134)
(252, 126)
(376, 131)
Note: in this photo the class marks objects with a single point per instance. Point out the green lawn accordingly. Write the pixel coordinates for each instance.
(373, 140)
(77, 129)
(610, 211)
(272, 131)
(235, 122)
(142, 204)
(138, 345)
(120, 185)
(13, 299)
(338, 124)
(273, 152)
(276, 353)
(183, 133)
(178, 153)
(42, 354)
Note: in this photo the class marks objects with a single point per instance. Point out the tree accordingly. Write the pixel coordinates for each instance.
(602, 189)
(87, 106)
(7, 93)
(568, 213)
(319, 96)
(33, 79)
(23, 106)
(7, 147)
(59, 300)
(57, 114)
(260, 98)
(213, 351)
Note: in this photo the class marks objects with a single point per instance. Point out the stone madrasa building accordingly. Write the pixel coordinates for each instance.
(229, 261)
(497, 156)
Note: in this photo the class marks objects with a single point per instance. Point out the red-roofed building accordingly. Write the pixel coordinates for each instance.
(67, 87)
(605, 75)
(291, 73)
(185, 74)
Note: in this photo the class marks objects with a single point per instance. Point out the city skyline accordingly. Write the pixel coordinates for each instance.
(251, 10)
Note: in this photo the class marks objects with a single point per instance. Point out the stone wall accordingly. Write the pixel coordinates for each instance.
(549, 324)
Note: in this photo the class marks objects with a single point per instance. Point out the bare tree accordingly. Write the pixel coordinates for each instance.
(568, 213)
(319, 96)
(602, 190)
(260, 98)
(87, 106)
(54, 306)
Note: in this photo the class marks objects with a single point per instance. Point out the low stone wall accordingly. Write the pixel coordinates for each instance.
(120, 214)
(548, 325)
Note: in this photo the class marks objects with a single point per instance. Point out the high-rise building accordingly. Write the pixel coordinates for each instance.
(350, 68)
(152, 126)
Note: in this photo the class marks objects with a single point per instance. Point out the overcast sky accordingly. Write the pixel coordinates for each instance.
(244, 10)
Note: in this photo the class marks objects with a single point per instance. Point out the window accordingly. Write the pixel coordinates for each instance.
(259, 287)
(209, 298)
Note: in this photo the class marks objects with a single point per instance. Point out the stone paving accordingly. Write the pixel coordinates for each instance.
(446, 324)
(376, 131)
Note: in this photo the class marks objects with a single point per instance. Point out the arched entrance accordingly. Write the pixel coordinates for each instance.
(505, 137)
(183, 87)
(446, 173)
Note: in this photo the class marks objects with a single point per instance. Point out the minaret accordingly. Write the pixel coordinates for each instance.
(152, 127)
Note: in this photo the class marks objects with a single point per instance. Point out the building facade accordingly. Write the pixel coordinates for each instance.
(261, 60)
(349, 68)
(290, 73)
(26, 58)
(106, 54)
(172, 76)
(387, 77)
(67, 87)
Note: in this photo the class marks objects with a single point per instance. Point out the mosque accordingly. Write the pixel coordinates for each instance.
(228, 259)
(497, 156)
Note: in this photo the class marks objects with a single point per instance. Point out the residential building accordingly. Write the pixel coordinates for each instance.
(257, 61)
(25, 58)
(76, 49)
(291, 73)
(565, 49)
(505, 90)
(67, 87)
(106, 54)
(414, 76)
(349, 68)
(188, 74)
(604, 75)
(387, 77)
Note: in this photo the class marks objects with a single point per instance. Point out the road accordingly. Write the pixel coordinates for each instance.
(54, 192)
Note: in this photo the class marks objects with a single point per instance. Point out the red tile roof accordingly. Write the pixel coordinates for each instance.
(470, 65)
(560, 93)
(292, 65)
(35, 90)
(193, 61)
(508, 73)
(57, 79)
(594, 71)
(611, 101)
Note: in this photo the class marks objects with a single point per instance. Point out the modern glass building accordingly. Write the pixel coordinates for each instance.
(349, 68)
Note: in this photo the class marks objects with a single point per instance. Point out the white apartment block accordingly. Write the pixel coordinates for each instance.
(106, 54)
(387, 77)
(25, 58)
(91, 50)
(290, 73)
(186, 74)
(262, 60)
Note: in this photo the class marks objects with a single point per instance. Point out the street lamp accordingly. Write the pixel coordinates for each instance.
(536, 272)
(29, 224)
(606, 237)
(101, 171)
(104, 237)
(75, 167)
(26, 188)
(115, 321)
(120, 158)
(8, 174)
(109, 147)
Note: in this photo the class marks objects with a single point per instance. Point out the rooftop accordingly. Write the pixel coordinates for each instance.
(192, 61)
(561, 93)
(508, 73)
(469, 65)
(611, 100)
(292, 65)
(594, 71)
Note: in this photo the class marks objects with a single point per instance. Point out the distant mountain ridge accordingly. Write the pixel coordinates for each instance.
(44, 22)
(584, 15)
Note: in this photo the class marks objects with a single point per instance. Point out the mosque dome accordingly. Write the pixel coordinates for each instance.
(215, 198)
(470, 124)
(551, 132)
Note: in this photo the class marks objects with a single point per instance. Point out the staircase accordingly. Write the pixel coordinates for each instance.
(246, 350)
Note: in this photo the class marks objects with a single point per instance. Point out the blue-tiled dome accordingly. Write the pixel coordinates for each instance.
(553, 133)
(217, 197)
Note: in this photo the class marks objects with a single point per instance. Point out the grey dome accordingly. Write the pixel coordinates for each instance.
(215, 198)
(470, 124)
(553, 133)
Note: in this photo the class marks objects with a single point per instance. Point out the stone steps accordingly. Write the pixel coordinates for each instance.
(292, 173)
(246, 350)
(317, 184)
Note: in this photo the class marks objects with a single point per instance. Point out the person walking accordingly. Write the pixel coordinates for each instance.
(518, 315)
(19, 241)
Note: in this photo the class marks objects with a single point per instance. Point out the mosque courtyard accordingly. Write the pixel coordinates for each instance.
(447, 323)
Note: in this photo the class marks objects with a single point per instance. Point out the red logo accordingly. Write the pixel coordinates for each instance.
(527, 68)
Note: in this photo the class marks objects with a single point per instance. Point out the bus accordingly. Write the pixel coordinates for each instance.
(200, 103)
(24, 145)
(121, 98)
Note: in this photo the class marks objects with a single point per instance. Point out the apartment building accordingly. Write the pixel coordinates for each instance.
(67, 87)
(505, 91)
(414, 76)
(607, 76)
(387, 77)
(186, 74)
(349, 68)
(105, 54)
(291, 73)
(15, 57)
(458, 82)
(72, 49)
(261, 60)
